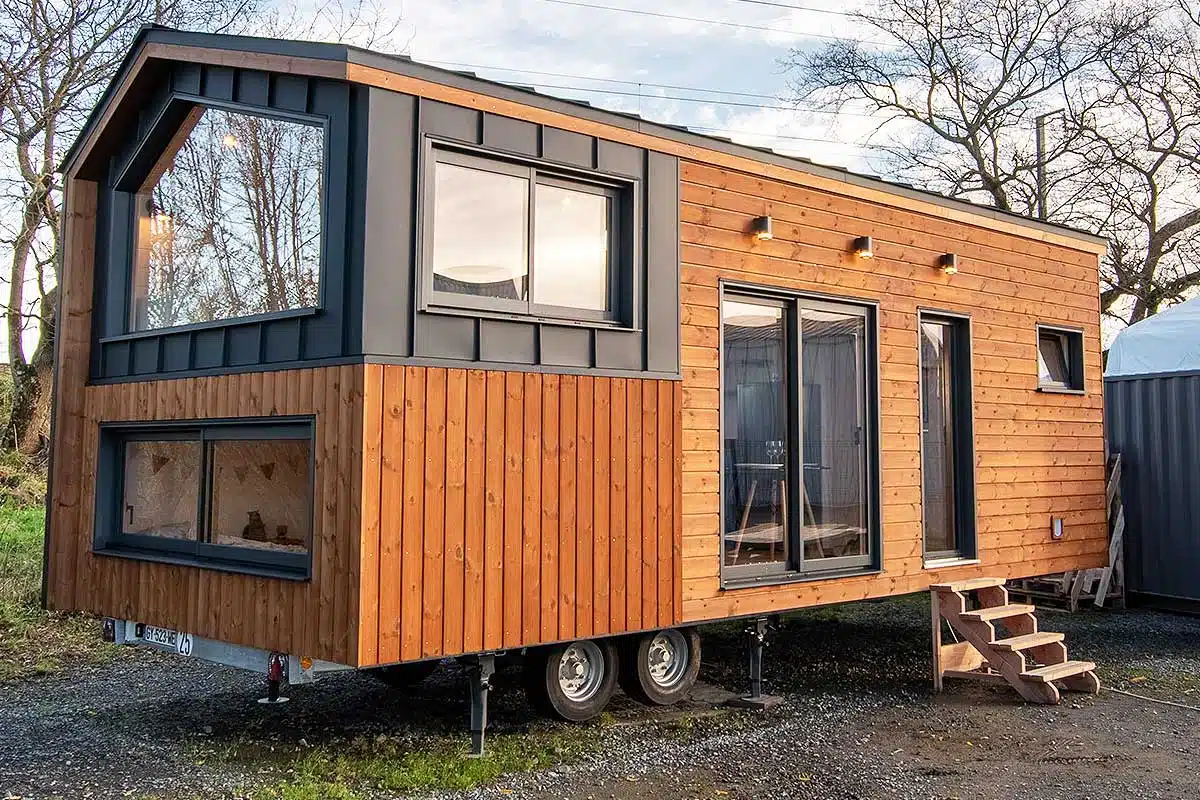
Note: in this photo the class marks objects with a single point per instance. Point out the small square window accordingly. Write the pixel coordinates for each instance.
(514, 237)
(1060, 359)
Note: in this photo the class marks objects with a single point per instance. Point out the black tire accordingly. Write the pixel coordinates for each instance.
(398, 676)
(549, 695)
(637, 678)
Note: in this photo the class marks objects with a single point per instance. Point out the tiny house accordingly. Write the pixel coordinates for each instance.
(365, 364)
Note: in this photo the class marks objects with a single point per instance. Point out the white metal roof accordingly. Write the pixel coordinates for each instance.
(1169, 341)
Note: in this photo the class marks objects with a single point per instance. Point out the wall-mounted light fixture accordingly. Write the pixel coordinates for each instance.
(949, 263)
(864, 247)
(761, 229)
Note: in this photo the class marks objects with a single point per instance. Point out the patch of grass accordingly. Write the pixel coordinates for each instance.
(34, 641)
(361, 768)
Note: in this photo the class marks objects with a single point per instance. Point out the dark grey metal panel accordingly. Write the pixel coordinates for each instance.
(619, 350)
(513, 135)
(662, 263)
(333, 331)
(620, 159)
(390, 210)
(565, 347)
(445, 336)
(568, 148)
(452, 122)
(176, 352)
(1154, 423)
(512, 342)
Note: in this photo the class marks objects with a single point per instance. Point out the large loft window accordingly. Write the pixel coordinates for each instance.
(799, 459)
(228, 221)
(513, 237)
(231, 495)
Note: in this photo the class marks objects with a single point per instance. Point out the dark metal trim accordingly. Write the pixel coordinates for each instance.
(623, 252)
(966, 507)
(1073, 338)
(793, 301)
(268, 316)
(133, 173)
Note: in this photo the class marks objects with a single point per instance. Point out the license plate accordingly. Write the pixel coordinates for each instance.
(168, 639)
(163, 637)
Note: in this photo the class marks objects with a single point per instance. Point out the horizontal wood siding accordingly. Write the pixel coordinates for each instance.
(500, 518)
(1036, 454)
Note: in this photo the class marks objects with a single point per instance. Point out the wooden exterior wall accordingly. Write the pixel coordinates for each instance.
(316, 618)
(506, 509)
(1036, 454)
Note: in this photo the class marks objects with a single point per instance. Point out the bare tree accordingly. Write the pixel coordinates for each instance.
(963, 82)
(56, 56)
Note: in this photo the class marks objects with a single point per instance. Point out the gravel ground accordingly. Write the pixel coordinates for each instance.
(858, 721)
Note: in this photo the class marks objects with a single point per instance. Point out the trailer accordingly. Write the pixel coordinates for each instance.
(365, 364)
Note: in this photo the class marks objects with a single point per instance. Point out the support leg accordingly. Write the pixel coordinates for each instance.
(480, 672)
(757, 636)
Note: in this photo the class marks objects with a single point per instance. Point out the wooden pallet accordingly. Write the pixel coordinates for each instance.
(1103, 586)
(998, 641)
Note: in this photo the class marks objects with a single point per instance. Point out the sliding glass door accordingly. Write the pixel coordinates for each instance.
(797, 453)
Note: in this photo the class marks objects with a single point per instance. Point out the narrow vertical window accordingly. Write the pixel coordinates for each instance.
(947, 483)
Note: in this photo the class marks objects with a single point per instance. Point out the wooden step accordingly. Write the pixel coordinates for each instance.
(1028, 641)
(1056, 672)
(969, 585)
(998, 612)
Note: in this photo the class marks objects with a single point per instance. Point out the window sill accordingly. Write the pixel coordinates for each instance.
(1059, 390)
(232, 322)
(944, 563)
(509, 316)
(797, 577)
(233, 568)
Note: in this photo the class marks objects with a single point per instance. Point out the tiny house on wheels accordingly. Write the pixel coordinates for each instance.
(366, 364)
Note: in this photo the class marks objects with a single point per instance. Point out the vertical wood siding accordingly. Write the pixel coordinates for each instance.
(1036, 454)
(501, 509)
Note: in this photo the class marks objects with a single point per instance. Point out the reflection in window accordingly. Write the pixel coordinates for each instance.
(1053, 359)
(834, 489)
(480, 233)
(755, 408)
(162, 482)
(260, 494)
(571, 248)
(937, 436)
(229, 221)
(511, 237)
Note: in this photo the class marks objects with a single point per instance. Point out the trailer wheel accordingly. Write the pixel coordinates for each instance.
(574, 680)
(399, 676)
(660, 667)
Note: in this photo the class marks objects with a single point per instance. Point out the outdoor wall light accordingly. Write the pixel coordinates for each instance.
(949, 263)
(864, 247)
(760, 227)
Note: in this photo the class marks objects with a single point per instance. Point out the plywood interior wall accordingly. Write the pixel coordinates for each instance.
(1036, 454)
(507, 509)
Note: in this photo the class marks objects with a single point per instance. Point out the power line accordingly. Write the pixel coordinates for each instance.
(660, 15)
(794, 8)
(669, 86)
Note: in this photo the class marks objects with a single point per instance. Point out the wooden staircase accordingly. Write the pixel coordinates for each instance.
(999, 641)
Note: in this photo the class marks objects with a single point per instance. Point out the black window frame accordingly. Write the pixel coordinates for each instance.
(966, 535)
(1071, 340)
(131, 178)
(623, 210)
(108, 538)
(796, 569)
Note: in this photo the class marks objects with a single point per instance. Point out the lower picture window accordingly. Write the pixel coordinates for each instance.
(224, 494)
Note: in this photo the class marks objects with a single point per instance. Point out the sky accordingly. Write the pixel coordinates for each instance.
(618, 54)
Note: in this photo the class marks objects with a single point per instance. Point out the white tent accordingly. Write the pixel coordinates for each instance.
(1166, 342)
